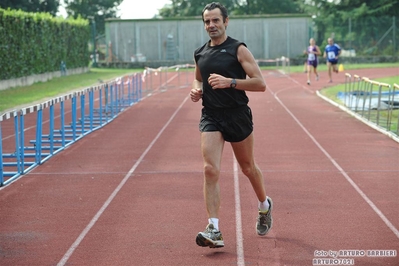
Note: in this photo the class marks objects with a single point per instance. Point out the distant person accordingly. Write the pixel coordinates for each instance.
(331, 52)
(224, 70)
(313, 51)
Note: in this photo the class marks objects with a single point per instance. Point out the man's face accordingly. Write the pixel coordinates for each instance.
(330, 41)
(213, 22)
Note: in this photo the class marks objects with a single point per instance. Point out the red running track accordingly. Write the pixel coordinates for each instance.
(130, 193)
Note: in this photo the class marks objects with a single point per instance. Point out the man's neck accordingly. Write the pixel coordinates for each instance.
(218, 41)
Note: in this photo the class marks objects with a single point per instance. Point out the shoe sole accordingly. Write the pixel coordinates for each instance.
(205, 242)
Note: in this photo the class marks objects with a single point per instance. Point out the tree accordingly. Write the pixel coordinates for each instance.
(252, 7)
(358, 24)
(184, 8)
(94, 10)
(49, 6)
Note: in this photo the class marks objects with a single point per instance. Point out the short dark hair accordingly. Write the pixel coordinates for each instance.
(214, 5)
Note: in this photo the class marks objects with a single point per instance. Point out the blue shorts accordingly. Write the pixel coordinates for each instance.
(333, 61)
(234, 124)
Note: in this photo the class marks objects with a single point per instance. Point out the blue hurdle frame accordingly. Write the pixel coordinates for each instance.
(91, 109)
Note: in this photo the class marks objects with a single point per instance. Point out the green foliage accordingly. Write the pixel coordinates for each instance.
(258, 7)
(362, 25)
(183, 8)
(97, 10)
(187, 8)
(36, 43)
(45, 6)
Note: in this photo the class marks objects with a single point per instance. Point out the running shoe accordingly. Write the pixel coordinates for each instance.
(265, 221)
(210, 238)
(317, 77)
(308, 82)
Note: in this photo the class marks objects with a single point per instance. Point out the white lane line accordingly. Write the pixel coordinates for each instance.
(340, 169)
(299, 84)
(82, 235)
(240, 245)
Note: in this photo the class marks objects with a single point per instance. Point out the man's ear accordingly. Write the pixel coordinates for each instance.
(226, 22)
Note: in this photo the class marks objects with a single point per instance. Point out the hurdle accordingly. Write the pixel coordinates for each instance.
(57, 127)
(375, 102)
(7, 167)
(282, 63)
(159, 76)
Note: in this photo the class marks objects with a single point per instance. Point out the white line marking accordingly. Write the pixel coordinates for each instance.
(299, 84)
(82, 235)
(240, 245)
(340, 169)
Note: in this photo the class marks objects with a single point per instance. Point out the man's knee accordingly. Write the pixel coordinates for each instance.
(211, 173)
(248, 170)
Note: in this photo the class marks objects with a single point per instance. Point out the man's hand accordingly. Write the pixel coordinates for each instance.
(195, 94)
(219, 82)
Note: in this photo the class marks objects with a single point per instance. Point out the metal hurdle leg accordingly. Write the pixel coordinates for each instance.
(359, 90)
(62, 121)
(396, 88)
(91, 108)
(1, 155)
(51, 130)
(82, 114)
(11, 174)
(39, 133)
(348, 79)
(73, 122)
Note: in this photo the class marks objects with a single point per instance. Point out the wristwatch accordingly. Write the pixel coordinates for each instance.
(233, 83)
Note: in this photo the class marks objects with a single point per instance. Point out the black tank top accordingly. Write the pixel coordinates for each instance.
(221, 59)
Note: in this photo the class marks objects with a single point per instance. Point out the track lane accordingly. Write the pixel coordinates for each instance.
(154, 218)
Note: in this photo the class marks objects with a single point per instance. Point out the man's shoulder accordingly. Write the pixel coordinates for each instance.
(232, 40)
(199, 49)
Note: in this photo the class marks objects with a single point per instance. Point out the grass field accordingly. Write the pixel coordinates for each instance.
(22, 96)
(323, 67)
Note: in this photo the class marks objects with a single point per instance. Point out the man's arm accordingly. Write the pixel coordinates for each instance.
(196, 90)
(255, 82)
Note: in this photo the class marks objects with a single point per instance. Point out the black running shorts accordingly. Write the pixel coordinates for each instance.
(234, 124)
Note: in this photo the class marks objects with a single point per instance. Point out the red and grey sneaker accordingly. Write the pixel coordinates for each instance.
(210, 238)
(265, 221)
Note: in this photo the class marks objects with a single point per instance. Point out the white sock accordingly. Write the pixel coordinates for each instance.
(264, 206)
(215, 222)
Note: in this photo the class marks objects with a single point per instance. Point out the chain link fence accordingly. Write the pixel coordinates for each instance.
(172, 41)
(362, 38)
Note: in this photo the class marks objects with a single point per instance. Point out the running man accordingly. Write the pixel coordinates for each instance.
(313, 51)
(224, 70)
(332, 51)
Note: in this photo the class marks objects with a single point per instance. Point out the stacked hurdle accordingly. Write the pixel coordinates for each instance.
(56, 126)
(374, 101)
